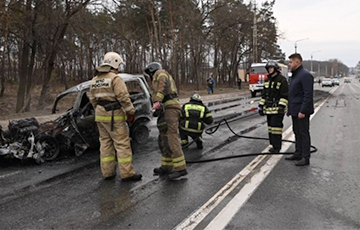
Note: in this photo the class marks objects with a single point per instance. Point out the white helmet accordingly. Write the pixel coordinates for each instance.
(111, 60)
(196, 97)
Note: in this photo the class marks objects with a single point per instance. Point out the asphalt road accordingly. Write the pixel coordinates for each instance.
(264, 192)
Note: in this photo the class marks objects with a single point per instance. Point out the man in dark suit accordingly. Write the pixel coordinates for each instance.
(300, 107)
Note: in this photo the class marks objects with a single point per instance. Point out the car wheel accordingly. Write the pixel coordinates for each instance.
(140, 133)
(253, 94)
(51, 147)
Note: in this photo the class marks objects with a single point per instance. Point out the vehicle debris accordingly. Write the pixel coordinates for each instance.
(23, 141)
(75, 130)
(83, 114)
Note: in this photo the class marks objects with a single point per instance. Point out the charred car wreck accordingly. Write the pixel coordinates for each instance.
(23, 140)
(76, 129)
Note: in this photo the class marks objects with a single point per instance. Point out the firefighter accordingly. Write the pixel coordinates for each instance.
(273, 104)
(192, 118)
(111, 100)
(165, 101)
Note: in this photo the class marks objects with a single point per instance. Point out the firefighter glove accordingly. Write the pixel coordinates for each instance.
(130, 118)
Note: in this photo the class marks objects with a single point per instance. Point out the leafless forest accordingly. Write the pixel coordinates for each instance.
(43, 41)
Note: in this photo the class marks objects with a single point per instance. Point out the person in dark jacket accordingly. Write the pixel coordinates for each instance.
(301, 106)
(211, 83)
(239, 83)
(192, 118)
(273, 104)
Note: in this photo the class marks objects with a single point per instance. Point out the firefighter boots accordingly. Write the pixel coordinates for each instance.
(135, 177)
(109, 177)
(161, 171)
(176, 174)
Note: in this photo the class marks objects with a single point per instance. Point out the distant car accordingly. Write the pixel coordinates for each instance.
(326, 82)
(347, 80)
(335, 81)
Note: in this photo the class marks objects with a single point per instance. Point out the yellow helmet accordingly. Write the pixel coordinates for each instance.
(111, 60)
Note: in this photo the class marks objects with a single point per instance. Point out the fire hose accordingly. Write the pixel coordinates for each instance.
(213, 129)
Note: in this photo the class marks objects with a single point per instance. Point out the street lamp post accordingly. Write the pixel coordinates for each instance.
(299, 41)
(312, 58)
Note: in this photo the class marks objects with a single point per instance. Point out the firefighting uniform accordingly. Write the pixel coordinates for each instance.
(274, 102)
(192, 118)
(165, 91)
(106, 88)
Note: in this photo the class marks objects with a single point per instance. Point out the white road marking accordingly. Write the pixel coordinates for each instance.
(196, 217)
(9, 174)
(333, 90)
(226, 215)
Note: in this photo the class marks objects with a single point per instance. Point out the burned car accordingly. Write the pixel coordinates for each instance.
(82, 114)
(23, 140)
(76, 129)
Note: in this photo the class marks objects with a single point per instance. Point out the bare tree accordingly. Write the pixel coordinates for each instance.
(192, 38)
(70, 9)
(5, 29)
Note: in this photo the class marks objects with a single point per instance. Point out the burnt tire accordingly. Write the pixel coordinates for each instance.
(140, 133)
(52, 148)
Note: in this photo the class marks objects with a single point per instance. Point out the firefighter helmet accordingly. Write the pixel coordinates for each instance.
(152, 68)
(272, 64)
(111, 60)
(196, 97)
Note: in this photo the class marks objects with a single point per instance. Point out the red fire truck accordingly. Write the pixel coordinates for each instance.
(258, 75)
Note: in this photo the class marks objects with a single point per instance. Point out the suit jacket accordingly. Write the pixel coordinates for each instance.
(301, 91)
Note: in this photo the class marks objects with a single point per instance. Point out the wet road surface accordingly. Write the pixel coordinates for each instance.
(321, 196)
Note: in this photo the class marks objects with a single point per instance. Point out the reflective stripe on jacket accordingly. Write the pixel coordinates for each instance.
(275, 95)
(163, 84)
(110, 87)
(193, 116)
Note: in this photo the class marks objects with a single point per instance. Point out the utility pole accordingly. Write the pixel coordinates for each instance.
(326, 69)
(255, 54)
(299, 41)
(312, 58)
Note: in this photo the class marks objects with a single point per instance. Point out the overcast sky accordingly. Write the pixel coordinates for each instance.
(332, 26)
